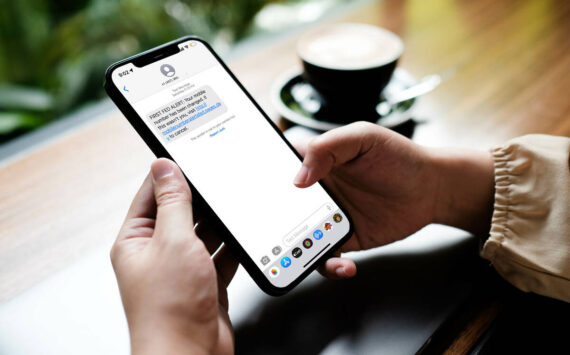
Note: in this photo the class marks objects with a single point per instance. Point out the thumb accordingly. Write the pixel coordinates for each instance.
(334, 148)
(173, 201)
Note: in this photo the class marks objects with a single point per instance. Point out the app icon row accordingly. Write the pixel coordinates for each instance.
(297, 252)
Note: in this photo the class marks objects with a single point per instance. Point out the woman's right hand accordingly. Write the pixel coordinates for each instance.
(392, 187)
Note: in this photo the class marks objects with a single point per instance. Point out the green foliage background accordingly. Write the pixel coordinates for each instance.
(53, 53)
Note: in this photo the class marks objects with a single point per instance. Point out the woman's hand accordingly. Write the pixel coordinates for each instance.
(173, 292)
(392, 187)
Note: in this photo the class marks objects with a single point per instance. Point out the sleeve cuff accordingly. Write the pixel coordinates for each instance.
(529, 241)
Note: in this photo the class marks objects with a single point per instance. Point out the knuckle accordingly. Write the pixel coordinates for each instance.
(322, 149)
(316, 145)
(364, 125)
(172, 193)
(365, 128)
(114, 254)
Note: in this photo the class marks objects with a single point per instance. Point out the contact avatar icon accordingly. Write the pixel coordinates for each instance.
(167, 70)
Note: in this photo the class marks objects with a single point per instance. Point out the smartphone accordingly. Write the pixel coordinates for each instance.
(187, 106)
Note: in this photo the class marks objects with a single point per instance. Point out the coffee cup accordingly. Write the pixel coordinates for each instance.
(349, 64)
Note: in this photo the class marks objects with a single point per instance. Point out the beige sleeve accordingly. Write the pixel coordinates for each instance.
(529, 244)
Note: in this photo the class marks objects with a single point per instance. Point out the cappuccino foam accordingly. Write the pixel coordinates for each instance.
(350, 46)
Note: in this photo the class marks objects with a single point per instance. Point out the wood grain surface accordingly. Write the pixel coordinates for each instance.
(506, 70)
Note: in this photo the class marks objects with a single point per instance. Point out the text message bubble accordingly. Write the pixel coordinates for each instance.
(187, 113)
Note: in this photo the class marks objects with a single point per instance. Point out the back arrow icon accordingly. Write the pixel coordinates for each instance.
(125, 88)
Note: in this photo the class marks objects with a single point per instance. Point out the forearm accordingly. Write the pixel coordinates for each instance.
(465, 188)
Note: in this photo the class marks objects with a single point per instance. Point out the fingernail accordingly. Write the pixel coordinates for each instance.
(340, 271)
(161, 170)
(301, 175)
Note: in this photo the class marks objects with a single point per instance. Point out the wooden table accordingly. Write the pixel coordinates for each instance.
(506, 69)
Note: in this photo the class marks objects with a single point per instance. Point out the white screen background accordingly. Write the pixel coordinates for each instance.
(245, 173)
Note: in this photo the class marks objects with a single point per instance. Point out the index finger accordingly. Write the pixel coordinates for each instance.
(334, 148)
(143, 205)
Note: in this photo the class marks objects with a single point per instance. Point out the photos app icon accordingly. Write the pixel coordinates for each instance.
(274, 272)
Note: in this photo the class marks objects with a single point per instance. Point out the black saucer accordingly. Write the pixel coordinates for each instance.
(297, 101)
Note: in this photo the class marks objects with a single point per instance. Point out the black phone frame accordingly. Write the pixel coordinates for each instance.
(160, 151)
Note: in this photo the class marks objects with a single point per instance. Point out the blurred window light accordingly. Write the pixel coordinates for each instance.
(177, 10)
(275, 17)
(54, 67)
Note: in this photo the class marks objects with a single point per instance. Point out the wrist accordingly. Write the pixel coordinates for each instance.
(155, 337)
(465, 188)
(165, 344)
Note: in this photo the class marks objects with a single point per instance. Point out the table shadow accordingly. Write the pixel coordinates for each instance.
(393, 305)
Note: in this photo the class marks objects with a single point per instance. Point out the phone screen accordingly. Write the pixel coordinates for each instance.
(234, 158)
